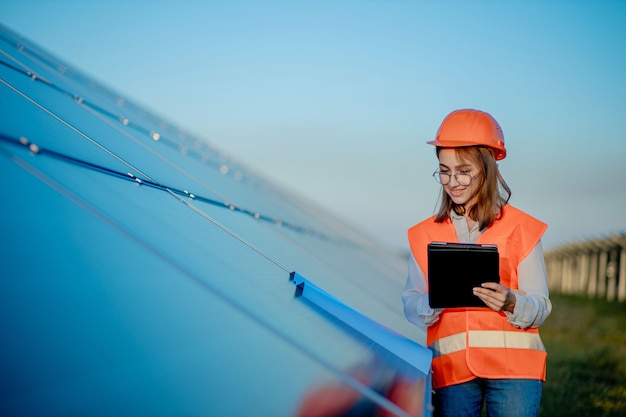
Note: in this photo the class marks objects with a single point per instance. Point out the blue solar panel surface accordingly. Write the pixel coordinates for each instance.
(143, 273)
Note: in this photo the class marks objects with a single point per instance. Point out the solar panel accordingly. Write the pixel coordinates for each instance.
(145, 274)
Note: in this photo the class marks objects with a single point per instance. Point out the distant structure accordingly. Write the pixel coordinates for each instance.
(595, 268)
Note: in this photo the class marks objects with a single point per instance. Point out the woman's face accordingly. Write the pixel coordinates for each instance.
(460, 194)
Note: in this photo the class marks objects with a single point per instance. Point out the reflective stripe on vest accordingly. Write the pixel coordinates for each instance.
(486, 339)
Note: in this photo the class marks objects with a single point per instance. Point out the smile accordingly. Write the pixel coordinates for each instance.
(457, 192)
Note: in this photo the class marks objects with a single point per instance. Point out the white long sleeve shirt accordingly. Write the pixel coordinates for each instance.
(532, 306)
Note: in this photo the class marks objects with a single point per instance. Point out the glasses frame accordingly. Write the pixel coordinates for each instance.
(437, 176)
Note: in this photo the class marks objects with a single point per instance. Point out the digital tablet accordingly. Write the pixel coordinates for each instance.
(455, 268)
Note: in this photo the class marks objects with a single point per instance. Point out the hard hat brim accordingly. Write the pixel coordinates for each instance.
(499, 153)
(450, 144)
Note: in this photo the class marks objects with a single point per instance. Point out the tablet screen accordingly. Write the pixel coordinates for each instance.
(455, 268)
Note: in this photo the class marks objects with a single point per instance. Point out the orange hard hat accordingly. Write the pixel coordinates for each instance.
(468, 127)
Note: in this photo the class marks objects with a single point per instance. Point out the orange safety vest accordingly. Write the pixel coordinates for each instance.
(479, 342)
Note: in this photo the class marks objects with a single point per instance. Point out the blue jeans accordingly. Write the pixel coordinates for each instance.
(504, 398)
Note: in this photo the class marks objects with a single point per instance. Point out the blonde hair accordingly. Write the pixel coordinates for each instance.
(493, 192)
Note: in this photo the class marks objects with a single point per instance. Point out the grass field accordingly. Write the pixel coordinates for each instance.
(586, 343)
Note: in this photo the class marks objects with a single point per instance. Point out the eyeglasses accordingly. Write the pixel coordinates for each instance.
(462, 178)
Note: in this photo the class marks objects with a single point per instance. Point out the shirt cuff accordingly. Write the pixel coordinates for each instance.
(516, 318)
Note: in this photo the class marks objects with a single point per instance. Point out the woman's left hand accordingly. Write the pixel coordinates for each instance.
(497, 297)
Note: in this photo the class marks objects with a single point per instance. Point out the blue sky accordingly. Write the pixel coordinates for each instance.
(335, 100)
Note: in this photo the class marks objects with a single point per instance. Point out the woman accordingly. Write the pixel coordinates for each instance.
(492, 354)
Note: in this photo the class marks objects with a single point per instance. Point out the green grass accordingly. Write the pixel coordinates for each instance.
(586, 344)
